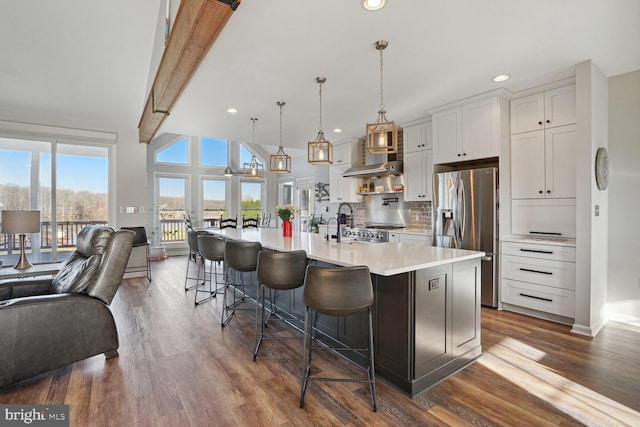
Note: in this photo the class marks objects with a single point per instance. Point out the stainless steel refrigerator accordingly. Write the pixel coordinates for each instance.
(465, 216)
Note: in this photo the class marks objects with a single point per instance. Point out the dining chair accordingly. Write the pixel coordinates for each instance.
(250, 222)
(228, 222)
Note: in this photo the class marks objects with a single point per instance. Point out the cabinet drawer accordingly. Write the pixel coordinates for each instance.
(557, 274)
(548, 217)
(538, 297)
(535, 250)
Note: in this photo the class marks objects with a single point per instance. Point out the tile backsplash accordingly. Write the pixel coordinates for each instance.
(420, 215)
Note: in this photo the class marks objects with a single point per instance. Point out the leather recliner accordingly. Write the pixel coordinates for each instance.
(50, 322)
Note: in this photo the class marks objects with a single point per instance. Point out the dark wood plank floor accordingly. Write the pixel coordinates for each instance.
(177, 367)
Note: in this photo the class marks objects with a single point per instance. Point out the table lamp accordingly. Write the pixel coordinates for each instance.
(21, 223)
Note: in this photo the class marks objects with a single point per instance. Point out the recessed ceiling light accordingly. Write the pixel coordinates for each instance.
(337, 130)
(373, 4)
(501, 77)
(232, 110)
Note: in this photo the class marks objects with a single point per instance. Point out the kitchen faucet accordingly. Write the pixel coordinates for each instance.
(350, 211)
(337, 229)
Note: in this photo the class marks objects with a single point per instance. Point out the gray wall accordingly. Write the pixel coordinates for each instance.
(623, 301)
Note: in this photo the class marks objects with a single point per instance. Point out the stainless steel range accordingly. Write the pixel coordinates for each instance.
(374, 234)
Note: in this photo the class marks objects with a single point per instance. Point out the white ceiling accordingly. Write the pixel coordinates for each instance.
(90, 60)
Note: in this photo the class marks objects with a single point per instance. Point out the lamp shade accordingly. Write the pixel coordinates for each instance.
(20, 222)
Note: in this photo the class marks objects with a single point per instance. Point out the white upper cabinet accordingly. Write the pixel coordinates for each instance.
(553, 108)
(418, 176)
(345, 153)
(417, 137)
(342, 189)
(469, 132)
(447, 136)
(543, 164)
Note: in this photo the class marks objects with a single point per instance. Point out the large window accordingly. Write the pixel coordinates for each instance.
(67, 183)
(170, 209)
(251, 199)
(213, 201)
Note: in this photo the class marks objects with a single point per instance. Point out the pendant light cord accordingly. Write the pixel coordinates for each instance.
(320, 82)
(280, 104)
(381, 83)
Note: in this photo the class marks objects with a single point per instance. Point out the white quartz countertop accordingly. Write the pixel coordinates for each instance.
(384, 259)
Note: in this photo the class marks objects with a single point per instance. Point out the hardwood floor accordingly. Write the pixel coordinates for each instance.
(178, 367)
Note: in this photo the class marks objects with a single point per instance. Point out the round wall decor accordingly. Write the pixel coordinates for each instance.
(602, 168)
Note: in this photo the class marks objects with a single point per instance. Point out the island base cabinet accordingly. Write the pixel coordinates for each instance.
(431, 319)
(439, 332)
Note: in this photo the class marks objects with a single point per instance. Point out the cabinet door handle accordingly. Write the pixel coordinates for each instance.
(533, 296)
(535, 271)
(459, 154)
(548, 233)
(540, 123)
(540, 191)
(536, 251)
(548, 191)
(548, 121)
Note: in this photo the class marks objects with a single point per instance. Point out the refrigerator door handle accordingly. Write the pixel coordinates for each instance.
(460, 201)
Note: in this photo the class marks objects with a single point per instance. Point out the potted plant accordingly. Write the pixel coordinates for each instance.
(314, 224)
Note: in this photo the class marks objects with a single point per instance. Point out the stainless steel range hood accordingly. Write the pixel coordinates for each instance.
(375, 169)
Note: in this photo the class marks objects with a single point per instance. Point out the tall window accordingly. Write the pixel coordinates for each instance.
(170, 209)
(78, 196)
(213, 201)
(251, 199)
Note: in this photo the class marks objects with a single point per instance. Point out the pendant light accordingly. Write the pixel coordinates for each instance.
(253, 169)
(280, 162)
(382, 136)
(320, 151)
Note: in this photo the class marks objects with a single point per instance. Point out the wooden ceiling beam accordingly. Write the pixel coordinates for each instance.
(197, 25)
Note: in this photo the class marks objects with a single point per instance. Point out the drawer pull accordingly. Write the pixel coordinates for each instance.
(537, 251)
(535, 271)
(535, 297)
(548, 233)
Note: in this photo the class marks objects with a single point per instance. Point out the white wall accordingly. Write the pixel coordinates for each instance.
(623, 299)
(591, 231)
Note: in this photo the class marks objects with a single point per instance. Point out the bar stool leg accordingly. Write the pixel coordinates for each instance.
(259, 319)
(306, 354)
(372, 370)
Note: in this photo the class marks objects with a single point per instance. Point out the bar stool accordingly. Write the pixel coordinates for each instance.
(242, 257)
(193, 258)
(278, 271)
(336, 291)
(211, 248)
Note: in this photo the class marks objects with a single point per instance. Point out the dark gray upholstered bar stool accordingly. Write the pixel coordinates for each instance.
(193, 260)
(336, 291)
(277, 271)
(211, 248)
(239, 258)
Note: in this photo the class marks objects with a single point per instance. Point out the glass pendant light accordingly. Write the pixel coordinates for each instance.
(280, 162)
(320, 151)
(253, 169)
(382, 136)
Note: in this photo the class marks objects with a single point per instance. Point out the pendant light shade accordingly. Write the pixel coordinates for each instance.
(320, 151)
(382, 136)
(280, 162)
(253, 169)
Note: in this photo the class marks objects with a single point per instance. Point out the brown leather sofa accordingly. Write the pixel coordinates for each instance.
(50, 322)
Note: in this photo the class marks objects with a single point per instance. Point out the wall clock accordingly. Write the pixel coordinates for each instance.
(602, 168)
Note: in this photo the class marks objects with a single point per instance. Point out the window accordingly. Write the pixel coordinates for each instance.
(213, 201)
(251, 199)
(170, 208)
(178, 152)
(213, 152)
(80, 194)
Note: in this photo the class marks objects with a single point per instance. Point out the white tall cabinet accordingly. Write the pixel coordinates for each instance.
(538, 261)
(418, 162)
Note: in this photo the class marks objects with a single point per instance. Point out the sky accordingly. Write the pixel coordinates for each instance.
(79, 173)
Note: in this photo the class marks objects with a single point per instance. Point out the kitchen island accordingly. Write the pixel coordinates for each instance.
(426, 309)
